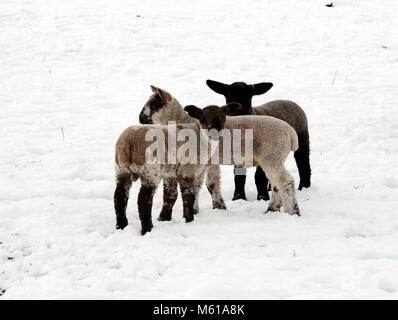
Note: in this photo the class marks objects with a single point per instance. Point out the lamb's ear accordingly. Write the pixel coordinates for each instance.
(154, 89)
(193, 111)
(232, 108)
(163, 93)
(218, 87)
(260, 88)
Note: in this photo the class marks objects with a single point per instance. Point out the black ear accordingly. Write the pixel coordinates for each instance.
(260, 88)
(232, 108)
(193, 111)
(218, 87)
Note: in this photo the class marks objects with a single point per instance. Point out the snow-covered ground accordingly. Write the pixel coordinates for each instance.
(74, 74)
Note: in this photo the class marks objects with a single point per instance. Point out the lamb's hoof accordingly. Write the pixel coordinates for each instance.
(195, 211)
(296, 210)
(165, 214)
(146, 228)
(219, 205)
(269, 209)
(239, 196)
(164, 218)
(305, 184)
(189, 219)
(121, 223)
(261, 196)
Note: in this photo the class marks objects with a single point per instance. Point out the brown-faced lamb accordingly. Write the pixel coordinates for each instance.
(131, 164)
(162, 108)
(282, 109)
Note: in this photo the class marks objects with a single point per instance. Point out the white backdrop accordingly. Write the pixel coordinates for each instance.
(74, 75)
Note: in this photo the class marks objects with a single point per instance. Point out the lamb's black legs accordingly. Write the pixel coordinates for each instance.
(120, 199)
(169, 198)
(261, 184)
(187, 188)
(144, 202)
(240, 180)
(302, 157)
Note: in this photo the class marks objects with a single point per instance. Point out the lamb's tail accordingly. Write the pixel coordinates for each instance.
(293, 140)
(123, 160)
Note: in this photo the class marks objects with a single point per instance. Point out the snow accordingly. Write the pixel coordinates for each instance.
(74, 75)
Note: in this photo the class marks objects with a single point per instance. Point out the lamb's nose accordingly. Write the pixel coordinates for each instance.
(144, 119)
(214, 134)
(216, 124)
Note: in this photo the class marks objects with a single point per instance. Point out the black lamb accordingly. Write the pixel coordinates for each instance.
(282, 109)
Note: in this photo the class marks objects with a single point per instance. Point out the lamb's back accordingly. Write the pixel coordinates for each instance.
(285, 110)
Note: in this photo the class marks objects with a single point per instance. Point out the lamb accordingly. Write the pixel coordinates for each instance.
(131, 164)
(273, 139)
(161, 108)
(282, 109)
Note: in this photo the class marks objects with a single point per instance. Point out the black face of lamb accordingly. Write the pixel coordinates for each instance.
(154, 104)
(240, 92)
(243, 93)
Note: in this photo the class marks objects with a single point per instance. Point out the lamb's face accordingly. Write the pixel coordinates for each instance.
(155, 109)
(212, 118)
(240, 92)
